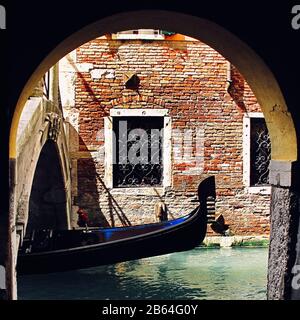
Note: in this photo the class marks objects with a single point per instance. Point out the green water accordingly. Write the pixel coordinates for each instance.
(222, 274)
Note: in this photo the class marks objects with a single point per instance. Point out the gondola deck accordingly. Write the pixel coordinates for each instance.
(55, 251)
(75, 249)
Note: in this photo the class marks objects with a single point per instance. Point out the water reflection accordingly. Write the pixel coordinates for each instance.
(197, 274)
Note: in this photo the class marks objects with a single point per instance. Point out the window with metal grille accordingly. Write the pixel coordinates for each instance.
(260, 152)
(138, 150)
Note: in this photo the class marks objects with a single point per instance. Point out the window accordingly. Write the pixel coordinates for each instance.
(260, 152)
(257, 153)
(137, 149)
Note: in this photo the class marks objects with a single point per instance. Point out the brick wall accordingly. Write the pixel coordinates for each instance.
(190, 80)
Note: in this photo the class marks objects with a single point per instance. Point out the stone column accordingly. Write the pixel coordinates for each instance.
(12, 246)
(284, 228)
(295, 290)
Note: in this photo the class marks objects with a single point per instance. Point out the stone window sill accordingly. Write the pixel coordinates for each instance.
(263, 190)
(143, 191)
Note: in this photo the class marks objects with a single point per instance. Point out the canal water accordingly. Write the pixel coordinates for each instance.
(202, 273)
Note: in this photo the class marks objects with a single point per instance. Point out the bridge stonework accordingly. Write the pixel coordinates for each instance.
(41, 122)
(42, 126)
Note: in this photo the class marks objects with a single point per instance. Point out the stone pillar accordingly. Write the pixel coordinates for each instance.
(295, 294)
(12, 246)
(284, 227)
(53, 85)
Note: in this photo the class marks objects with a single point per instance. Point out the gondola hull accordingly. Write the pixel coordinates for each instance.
(120, 244)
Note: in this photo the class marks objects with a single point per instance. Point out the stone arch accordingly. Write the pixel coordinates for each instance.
(38, 128)
(260, 78)
(251, 66)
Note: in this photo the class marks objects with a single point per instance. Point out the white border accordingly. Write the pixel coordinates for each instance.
(246, 155)
(167, 149)
(138, 112)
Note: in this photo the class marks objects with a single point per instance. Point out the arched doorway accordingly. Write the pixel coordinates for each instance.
(261, 80)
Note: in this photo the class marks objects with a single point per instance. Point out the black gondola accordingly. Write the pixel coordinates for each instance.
(53, 251)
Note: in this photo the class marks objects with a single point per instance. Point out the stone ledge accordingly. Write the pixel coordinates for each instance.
(236, 241)
(145, 191)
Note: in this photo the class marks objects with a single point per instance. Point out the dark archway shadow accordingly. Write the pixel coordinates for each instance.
(47, 202)
(90, 189)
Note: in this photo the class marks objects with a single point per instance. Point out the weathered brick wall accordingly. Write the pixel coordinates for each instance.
(188, 78)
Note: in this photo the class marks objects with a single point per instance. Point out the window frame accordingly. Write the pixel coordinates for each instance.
(166, 155)
(247, 156)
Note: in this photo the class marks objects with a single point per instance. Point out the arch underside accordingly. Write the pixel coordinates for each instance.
(256, 73)
(250, 65)
(47, 201)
